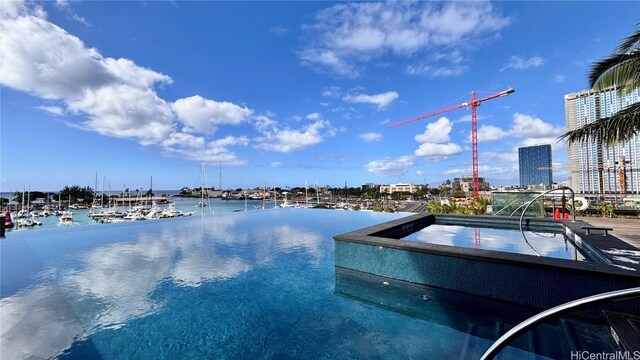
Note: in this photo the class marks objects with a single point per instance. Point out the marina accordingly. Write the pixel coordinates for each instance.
(402, 180)
(82, 216)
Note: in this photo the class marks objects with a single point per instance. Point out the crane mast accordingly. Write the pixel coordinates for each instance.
(473, 103)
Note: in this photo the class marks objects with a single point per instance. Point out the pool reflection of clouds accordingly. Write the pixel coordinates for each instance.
(113, 283)
(38, 323)
(552, 245)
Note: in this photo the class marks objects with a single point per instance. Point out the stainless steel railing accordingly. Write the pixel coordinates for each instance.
(510, 335)
(527, 204)
(563, 188)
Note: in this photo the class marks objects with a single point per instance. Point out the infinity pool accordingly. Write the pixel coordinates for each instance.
(257, 285)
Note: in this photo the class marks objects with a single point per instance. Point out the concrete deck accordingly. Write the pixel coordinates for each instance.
(627, 230)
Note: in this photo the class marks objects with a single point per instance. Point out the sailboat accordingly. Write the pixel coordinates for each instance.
(66, 218)
(203, 189)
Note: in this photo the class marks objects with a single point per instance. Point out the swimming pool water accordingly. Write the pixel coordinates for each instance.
(547, 244)
(256, 285)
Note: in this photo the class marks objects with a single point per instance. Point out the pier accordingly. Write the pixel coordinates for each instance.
(123, 201)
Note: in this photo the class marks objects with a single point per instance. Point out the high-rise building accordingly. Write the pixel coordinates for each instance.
(535, 165)
(597, 168)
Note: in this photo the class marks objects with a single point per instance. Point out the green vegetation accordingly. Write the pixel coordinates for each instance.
(77, 194)
(606, 209)
(477, 206)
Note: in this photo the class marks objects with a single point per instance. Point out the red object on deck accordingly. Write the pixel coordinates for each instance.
(566, 216)
(556, 214)
(7, 220)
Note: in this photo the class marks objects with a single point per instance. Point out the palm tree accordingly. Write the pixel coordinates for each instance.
(606, 209)
(434, 207)
(622, 71)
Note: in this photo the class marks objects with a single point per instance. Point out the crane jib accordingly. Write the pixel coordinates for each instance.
(474, 103)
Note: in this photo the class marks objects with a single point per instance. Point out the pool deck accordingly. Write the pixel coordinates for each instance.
(627, 230)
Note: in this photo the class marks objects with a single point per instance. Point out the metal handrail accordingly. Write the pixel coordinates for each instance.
(573, 198)
(524, 211)
(510, 335)
(573, 208)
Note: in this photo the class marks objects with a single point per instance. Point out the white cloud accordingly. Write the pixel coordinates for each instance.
(380, 100)
(490, 133)
(558, 78)
(202, 115)
(55, 110)
(112, 112)
(436, 132)
(436, 71)
(190, 147)
(328, 59)
(184, 140)
(534, 130)
(130, 73)
(114, 97)
(539, 141)
(279, 30)
(370, 136)
(391, 166)
(274, 138)
(433, 151)
(440, 65)
(43, 59)
(482, 168)
(332, 91)
(345, 36)
(500, 156)
(520, 63)
(12, 8)
(313, 116)
(532, 127)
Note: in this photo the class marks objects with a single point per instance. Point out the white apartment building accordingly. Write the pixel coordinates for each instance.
(597, 168)
(390, 189)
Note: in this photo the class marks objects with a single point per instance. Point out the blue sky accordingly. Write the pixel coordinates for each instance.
(279, 93)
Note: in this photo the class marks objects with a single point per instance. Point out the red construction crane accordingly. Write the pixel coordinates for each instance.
(474, 103)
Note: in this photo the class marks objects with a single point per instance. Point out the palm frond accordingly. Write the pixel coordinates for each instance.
(620, 127)
(620, 70)
(631, 43)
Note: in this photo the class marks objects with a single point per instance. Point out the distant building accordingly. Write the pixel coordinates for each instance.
(535, 166)
(390, 189)
(465, 184)
(597, 168)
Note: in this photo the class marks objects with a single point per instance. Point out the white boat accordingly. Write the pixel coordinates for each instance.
(201, 203)
(171, 212)
(134, 216)
(66, 218)
(27, 222)
(286, 203)
(99, 213)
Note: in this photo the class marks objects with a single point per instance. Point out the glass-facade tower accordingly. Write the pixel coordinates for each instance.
(596, 168)
(535, 165)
